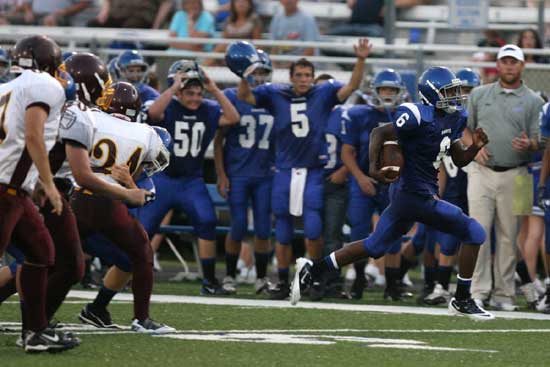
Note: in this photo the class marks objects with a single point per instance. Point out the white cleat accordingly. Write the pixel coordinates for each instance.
(470, 309)
(302, 279)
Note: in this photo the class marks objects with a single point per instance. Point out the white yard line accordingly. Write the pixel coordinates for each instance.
(306, 305)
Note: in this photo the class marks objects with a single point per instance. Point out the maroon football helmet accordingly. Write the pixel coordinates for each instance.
(90, 76)
(37, 53)
(121, 98)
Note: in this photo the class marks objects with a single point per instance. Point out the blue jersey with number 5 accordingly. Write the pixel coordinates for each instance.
(425, 136)
(299, 122)
(192, 132)
(248, 150)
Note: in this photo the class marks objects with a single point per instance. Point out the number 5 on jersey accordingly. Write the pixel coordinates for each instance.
(183, 144)
(299, 120)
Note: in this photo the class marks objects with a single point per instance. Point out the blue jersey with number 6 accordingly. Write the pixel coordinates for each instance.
(248, 150)
(299, 122)
(192, 132)
(425, 136)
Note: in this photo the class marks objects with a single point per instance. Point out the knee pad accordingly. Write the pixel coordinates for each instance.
(374, 249)
(206, 230)
(476, 234)
(395, 248)
(313, 224)
(449, 244)
(283, 229)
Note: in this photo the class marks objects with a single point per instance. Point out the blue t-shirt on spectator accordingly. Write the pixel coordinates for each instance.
(205, 23)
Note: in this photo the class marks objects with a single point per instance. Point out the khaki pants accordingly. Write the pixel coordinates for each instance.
(490, 201)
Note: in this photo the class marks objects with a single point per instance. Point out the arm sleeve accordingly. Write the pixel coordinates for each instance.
(407, 118)
(214, 114)
(330, 92)
(47, 93)
(76, 126)
(349, 133)
(263, 95)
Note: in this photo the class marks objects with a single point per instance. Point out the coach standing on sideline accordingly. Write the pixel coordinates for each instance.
(508, 111)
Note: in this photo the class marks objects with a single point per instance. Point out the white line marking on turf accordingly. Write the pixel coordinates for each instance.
(427, 347)
(432, 311)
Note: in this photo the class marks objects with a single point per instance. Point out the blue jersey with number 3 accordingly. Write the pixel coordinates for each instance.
(299, 122)
(359, 121)
(192, 132)
(425, 136)
(248, 150)
(333, 132)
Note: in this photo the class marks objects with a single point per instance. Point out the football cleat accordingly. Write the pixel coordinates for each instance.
(396, 293)
(426, 290)
(438, 296)
(98, 318)
(317, 291)
(470, 309)
(47, 340)
(280, 291)
(149, 326)
(502, 306)
(229, 285)
(213, 289)
(261, 285)
(530, 293)
(544, 304)
(302, 279)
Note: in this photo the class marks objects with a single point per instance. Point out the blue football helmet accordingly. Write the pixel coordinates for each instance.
(162, 159)
(439, 87)
(70, 87)
(65, 55)
(114, 71)
(469, 78)
(242, 59)
(387, 78)
(264, 71)
(189, 67)
(128, 59)
(4, 65)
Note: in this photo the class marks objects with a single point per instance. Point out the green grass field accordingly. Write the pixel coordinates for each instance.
(250, 335)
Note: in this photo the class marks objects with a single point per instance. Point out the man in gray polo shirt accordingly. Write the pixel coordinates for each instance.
(508, 111)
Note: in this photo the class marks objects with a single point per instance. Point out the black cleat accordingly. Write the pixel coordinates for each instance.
(470, 309)
(280, 291)
(47, 340)
(98, 318)
(396, 294)
(214, 289)
(317, 291)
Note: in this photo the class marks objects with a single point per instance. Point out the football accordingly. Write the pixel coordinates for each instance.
(391, 160)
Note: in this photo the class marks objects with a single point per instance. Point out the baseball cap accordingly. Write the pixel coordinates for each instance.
(510, 51)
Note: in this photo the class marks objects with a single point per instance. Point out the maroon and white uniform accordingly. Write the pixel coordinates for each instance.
(109, 141)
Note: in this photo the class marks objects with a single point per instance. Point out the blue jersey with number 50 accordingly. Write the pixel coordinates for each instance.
(299, 122)
(425, 136)
(192, 132)
(248, 150)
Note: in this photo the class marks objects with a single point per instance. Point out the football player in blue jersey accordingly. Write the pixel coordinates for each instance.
(244, 166)
(192, 121)
(366, 194)
(134, 69)
(543, 199)
(335, 196)
(426, 132)
(300, 112)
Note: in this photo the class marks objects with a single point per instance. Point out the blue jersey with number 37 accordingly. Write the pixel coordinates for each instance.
(248, 149)
(425, 136)
(299, 122)
(192, 132)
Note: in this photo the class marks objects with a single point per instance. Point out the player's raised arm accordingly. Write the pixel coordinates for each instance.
(362, 50)
(244, 92)
(230, 116)
(377, 138)
(156, 110)
(463, 155)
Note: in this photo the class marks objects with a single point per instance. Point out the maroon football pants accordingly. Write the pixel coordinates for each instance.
(112, 219)
(21, 222)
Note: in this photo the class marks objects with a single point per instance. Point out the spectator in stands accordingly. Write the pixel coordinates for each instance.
(129, 13)
(511, 122)
(293, 24)
(59, 12)
(529, 38)
(15, 12)
(243, 23)
(194, 22)
(367, 18)
(492, 39)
